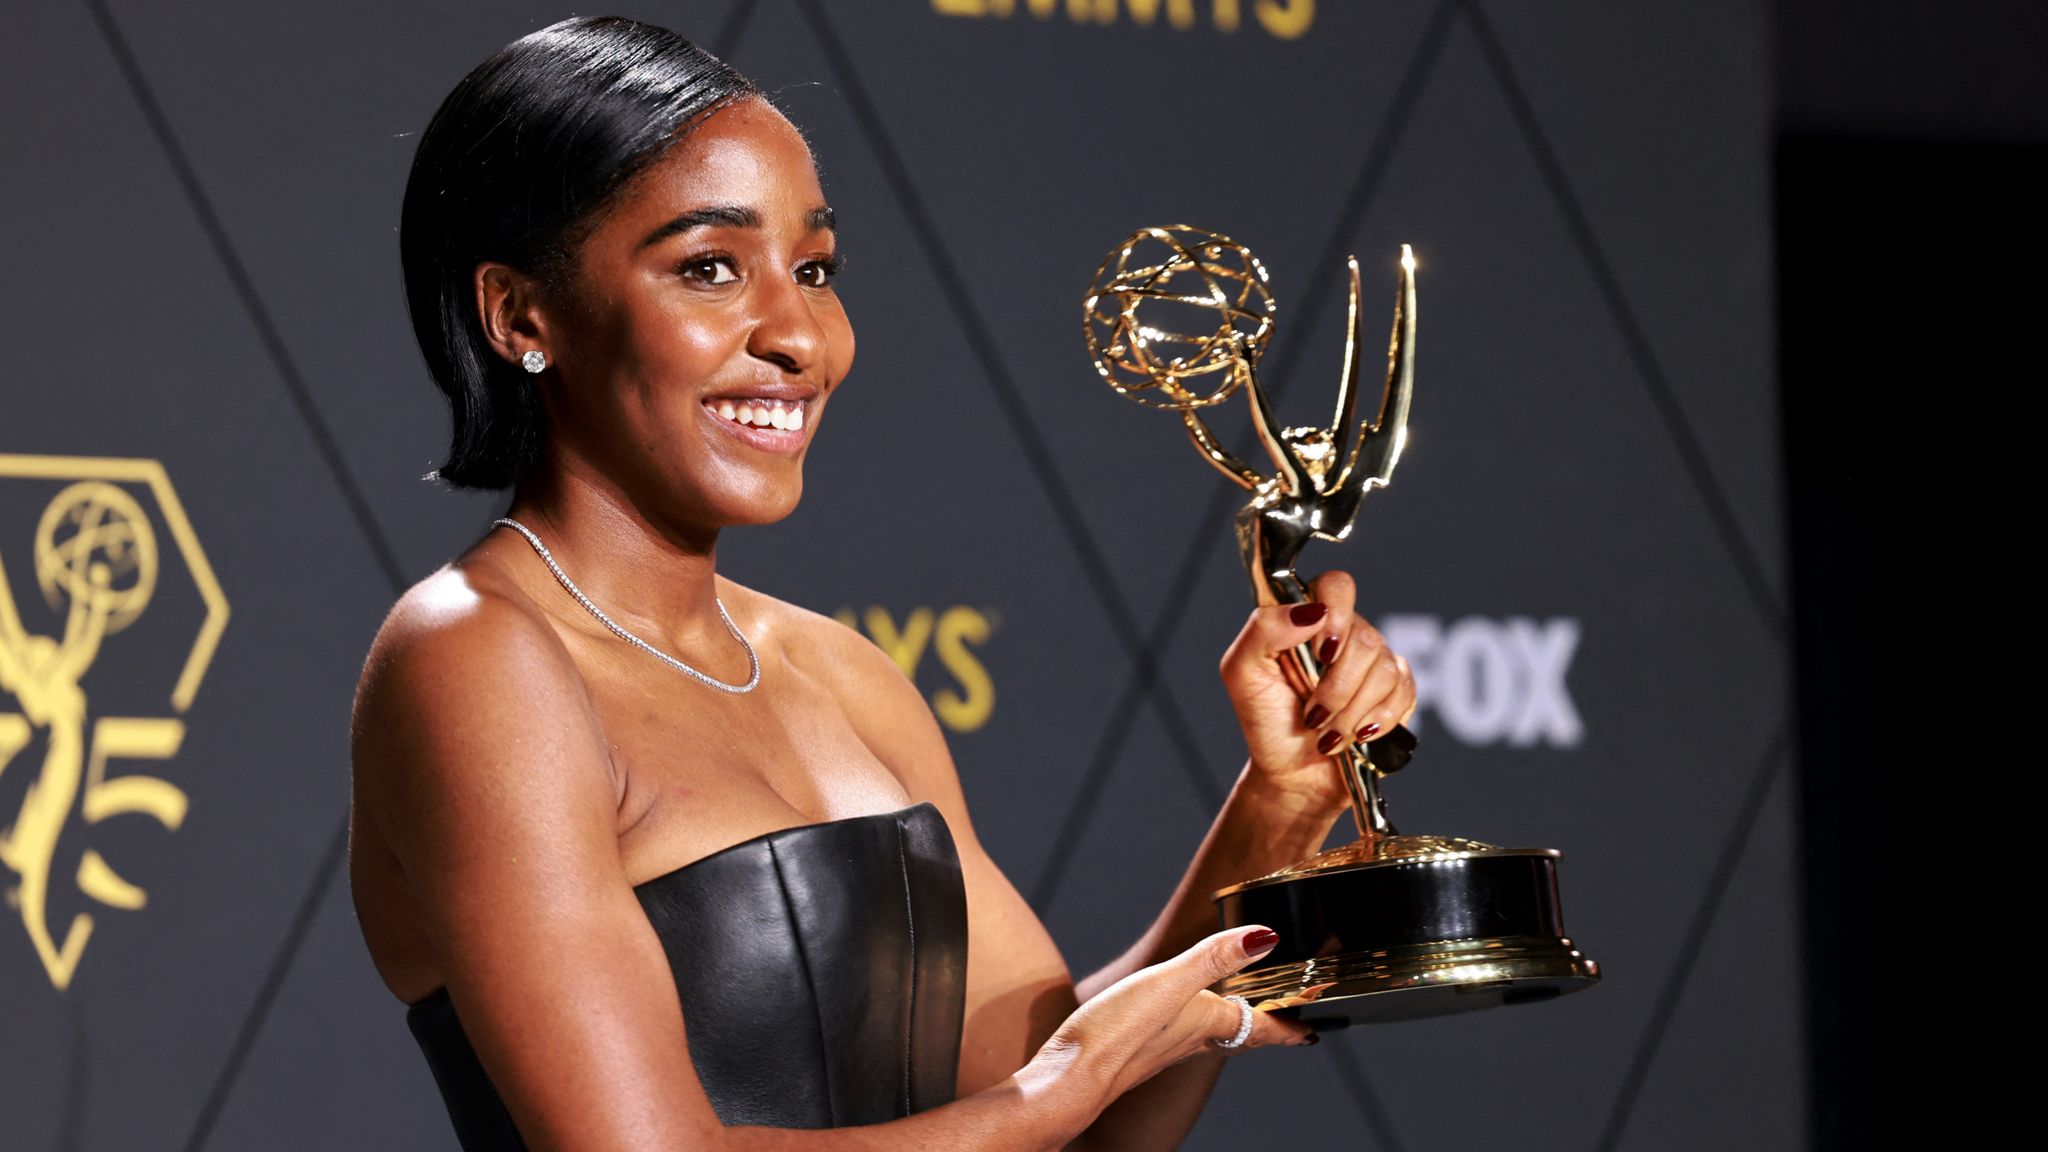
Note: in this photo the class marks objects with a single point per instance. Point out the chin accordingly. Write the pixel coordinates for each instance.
(765, 507)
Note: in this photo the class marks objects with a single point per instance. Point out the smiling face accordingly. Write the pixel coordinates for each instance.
(702, 336)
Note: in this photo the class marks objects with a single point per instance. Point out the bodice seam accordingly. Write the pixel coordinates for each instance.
(910, 926)
(803, 959)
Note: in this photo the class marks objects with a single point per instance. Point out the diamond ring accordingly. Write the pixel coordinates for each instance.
(1244, 1023)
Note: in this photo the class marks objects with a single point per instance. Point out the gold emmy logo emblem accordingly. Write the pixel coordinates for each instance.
(96, 559)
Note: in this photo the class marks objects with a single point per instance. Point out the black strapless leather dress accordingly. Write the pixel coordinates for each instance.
(822, 971)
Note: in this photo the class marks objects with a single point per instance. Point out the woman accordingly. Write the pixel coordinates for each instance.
(658, 861)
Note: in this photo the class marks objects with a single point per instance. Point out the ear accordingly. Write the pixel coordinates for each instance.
(512, 308)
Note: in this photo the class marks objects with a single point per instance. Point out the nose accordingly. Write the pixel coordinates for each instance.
(786, 330)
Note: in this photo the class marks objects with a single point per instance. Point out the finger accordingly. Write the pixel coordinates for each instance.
(1334, 696)
(1410, 692)
(1219, 955)
(1271, 631)
(1340, 592)
(1276, 628)
(1394, 707)
(1367, 713)
(1337, 589)
(1223, 1018)
(1272, 1030)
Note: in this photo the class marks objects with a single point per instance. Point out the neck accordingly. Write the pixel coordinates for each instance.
(656, 578)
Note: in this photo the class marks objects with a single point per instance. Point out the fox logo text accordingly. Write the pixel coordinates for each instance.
(1492, 681)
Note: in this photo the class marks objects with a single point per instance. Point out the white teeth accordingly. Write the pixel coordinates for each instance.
(785, 415)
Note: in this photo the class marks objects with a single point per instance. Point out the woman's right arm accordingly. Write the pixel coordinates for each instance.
(480, 761)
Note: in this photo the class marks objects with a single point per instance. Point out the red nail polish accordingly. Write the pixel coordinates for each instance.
(1368, 732)
(1261, 941)
(1312, 1041)
(1329, 742)
(1329, 651)
(1316, 716)
(1308, 613)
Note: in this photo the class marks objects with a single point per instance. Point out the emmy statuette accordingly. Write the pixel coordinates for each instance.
(1390, 926)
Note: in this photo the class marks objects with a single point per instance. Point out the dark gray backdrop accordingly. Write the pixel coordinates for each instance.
(200, 220)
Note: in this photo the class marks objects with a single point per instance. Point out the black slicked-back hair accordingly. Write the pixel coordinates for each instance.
(517, 166)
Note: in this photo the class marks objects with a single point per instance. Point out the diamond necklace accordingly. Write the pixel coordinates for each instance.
(753, 661)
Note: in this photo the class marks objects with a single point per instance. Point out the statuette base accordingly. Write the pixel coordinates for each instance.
(1407, 927)
(1439, 979)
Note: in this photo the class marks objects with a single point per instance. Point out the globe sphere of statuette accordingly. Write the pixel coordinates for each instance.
(1177, 317)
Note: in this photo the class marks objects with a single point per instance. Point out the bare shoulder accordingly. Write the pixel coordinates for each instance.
(462, 636)
(466, 675)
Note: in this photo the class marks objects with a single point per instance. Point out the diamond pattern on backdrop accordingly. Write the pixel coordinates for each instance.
(1148, 711)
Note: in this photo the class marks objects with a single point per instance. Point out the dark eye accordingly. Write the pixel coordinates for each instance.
(710, 269)
(817, 273)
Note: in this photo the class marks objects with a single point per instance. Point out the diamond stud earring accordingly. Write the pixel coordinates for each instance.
(534, 360)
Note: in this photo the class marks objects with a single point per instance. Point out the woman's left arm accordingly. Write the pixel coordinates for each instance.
(1281, 809)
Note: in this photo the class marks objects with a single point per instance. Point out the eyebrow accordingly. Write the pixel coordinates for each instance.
(734, 216)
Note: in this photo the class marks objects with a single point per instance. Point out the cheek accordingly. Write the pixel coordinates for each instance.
(688, 343)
